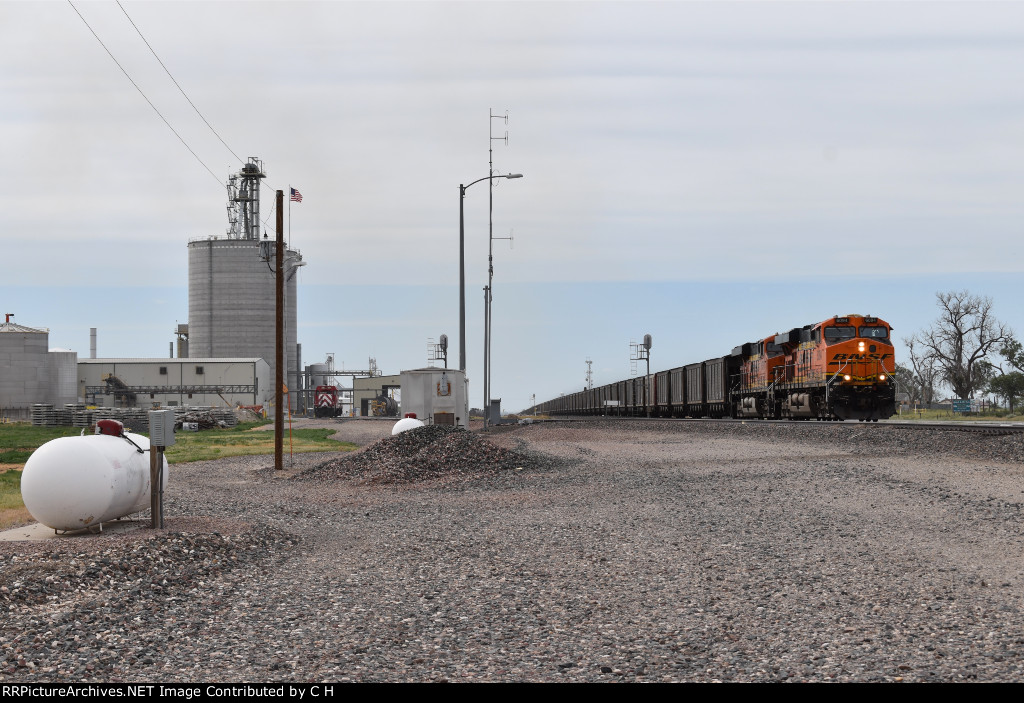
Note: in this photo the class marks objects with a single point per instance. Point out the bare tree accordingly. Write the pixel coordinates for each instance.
(924, 368)
(907, 382)
(1013, 352)
(960, 340)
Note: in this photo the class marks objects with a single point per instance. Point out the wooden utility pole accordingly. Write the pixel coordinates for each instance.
(279, 339)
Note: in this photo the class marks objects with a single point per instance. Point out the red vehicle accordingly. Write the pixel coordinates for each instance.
(326, 401)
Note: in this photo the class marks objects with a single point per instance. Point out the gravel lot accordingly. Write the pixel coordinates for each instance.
(638, 551)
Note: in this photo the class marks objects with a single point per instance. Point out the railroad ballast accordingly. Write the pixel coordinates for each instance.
(839, 369)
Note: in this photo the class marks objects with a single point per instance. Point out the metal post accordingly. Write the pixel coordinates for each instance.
(647, 382)
(487, 390)
(490, 267)
(279, 339)
(156, 503)
(462, 280)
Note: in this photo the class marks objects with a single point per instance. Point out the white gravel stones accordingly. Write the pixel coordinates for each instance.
(648, 552)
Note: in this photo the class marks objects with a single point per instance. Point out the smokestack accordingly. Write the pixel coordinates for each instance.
(170, 352)
(92, 342)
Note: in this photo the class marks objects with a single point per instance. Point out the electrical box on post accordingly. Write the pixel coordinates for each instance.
(161, 428)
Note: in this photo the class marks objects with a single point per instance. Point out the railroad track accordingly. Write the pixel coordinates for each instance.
(990, 428)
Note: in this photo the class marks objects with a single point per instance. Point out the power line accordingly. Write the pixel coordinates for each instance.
(142, 93)
(185, 95)
(182, 90)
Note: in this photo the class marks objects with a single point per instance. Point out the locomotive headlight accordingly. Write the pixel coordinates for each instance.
(847, 377)
(860, 346)
(881, 377)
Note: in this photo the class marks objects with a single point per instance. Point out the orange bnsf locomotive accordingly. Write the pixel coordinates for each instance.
(836, 369)
(839, 369)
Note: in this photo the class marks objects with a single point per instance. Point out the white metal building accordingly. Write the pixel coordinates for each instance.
(436, 396)
(171, 382)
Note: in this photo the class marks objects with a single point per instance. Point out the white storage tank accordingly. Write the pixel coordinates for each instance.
(71, 483)
(24, 369)
(63, 376)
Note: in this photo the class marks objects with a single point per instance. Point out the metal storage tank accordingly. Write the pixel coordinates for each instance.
(318, 375)
(231, 302)
(75, 482)
(24, 369)
(63, 376)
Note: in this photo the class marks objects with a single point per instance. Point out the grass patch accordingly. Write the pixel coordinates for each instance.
(19, 439)
(246, 439)
(10, 489)
(999, 415)
(12, 510)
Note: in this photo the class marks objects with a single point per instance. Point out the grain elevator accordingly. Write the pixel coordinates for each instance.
(231, 287)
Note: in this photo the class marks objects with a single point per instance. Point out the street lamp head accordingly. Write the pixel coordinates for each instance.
(513, 175)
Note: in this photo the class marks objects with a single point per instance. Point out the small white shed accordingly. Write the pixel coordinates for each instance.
(436, 396)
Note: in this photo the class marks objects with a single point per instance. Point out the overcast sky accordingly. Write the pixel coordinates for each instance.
(708, 173)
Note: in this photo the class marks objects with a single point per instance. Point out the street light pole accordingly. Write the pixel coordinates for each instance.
(462, 266)
(462, 281)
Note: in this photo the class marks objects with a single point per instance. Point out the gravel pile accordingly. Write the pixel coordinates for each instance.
(431, 452)
(204, 420)
(635, 552)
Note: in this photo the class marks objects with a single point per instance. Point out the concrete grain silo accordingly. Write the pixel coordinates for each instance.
(24, 369)
(231, 286)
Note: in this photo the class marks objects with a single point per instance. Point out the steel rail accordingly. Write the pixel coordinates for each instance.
(992, 428)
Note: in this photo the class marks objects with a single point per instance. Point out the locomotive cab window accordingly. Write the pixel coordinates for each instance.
(839, 334)
(874, 332)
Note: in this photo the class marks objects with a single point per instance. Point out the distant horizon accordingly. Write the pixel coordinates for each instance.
(393, 323)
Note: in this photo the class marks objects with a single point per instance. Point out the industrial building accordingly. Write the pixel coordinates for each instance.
(30, 372)
(222, 382)
(366, 392)
(226, 351)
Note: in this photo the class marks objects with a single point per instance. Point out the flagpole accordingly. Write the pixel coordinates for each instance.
(290, 215)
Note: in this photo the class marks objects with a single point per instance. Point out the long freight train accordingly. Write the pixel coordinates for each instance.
(839, 369)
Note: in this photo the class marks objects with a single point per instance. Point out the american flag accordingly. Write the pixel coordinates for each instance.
(296, 196)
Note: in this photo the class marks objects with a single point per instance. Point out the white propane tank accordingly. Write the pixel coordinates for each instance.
(406, 423)
(75, 482)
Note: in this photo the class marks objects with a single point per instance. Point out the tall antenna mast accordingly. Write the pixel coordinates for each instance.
(490, 254)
